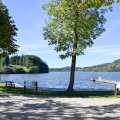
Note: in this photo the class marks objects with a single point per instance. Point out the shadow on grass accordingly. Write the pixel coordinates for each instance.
(48, 108)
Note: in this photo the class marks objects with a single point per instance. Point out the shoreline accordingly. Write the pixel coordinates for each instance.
(61, 89)
(17, 85)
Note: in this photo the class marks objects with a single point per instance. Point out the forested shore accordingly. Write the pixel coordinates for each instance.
(106, 67)
(23, 64)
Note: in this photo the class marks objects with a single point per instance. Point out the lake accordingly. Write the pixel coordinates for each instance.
(60, 80)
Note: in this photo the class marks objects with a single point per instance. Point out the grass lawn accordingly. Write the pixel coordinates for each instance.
(2, 84)
(90, 94)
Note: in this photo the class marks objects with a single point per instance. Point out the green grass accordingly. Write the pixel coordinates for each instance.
(18, 66)
(89, 94)
(2, 84)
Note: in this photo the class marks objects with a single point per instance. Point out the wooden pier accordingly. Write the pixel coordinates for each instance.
(115, 83)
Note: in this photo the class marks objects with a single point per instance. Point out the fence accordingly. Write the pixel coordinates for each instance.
(35, 84)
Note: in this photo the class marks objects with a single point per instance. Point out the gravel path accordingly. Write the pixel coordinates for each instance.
(30, 107)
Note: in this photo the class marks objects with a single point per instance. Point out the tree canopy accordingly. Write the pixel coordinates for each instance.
(99, 3)
(72, 26)
(7, 32)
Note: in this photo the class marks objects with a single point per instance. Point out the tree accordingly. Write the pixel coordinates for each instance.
(21, 60)
(6, 60)
(7, 70)
(71, 27)
(34, 69)
(99, 3)
(7, 32)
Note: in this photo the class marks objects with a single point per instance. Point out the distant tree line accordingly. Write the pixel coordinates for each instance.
(23, 64)
(107, 67)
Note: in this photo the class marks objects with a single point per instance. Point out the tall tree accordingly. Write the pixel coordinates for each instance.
(7, 32)
(72, 26)
(7, 60)
(101, 2)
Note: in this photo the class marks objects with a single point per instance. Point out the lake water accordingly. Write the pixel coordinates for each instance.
(61, 79)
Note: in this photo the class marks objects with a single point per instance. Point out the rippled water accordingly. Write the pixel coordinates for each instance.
(61, 79)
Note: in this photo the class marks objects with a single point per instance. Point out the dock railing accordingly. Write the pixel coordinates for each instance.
(115, 83)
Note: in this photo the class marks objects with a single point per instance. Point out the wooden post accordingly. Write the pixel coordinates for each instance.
(6, 84)
(36, 85)
(11, 83)
(115, 91)
(24, 86)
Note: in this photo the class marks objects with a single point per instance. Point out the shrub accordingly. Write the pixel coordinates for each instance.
(18, 70)
(34, 69)
(6, 70)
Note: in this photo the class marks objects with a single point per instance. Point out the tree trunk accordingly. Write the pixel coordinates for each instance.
(72, 73)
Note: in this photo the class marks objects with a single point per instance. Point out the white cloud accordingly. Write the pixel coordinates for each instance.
(25, 35)
(116, 23)
(30, 40)
(32, 46)
(111, 50)
(40, 52)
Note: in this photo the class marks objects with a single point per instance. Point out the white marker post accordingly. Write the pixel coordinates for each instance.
(118, 86)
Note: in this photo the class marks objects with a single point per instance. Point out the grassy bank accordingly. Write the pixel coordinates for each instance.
(90, 94)
(2, 84)
(18, 66)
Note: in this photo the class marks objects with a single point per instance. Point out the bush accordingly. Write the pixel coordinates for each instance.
(18, 70)
(34, 69)
(6, 70)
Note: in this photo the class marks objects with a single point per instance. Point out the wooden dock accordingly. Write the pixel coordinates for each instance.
(115, 83)
(103, 81)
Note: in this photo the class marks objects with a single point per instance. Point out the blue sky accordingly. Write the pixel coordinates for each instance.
(29, 19)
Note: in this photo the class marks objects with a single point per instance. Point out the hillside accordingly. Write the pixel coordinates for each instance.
(23, 64)
(107, 67)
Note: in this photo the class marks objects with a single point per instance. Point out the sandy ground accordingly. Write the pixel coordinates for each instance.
(30, 107)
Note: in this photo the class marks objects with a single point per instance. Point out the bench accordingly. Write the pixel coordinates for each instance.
(10, 84)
